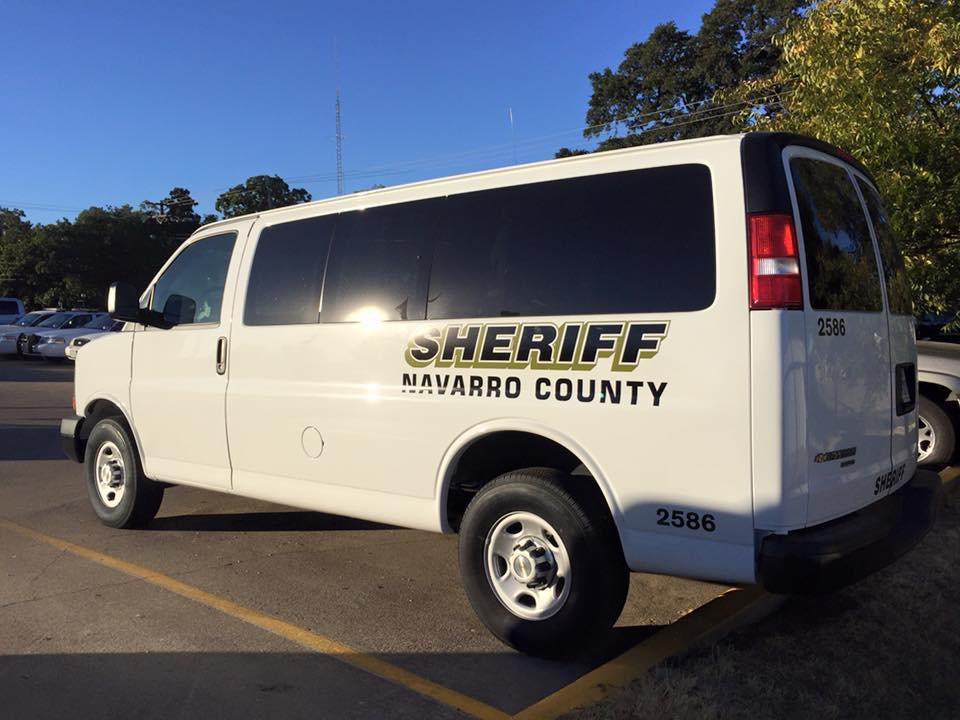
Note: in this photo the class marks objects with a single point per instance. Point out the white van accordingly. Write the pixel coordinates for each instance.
(694, 358)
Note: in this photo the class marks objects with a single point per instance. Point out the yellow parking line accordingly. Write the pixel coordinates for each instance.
(708, 622)
(301, 636)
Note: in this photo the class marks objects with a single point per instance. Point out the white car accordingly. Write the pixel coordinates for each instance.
(52, 344)
(9, 334)
(10, 310)
(526, 357)
(74, 345)
(25, 340)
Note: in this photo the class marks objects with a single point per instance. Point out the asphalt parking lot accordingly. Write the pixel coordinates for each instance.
(227, 607)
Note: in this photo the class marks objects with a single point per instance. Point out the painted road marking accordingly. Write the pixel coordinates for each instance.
(708, 622)
(301, 636)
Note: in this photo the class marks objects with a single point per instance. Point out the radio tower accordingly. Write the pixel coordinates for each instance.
(339, 147)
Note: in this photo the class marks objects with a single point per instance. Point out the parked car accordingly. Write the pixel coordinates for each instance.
(26, 338)
(74, 345)
(9, 334)
(526, 356)
(52, 344)
(938, 419)
(10, 310)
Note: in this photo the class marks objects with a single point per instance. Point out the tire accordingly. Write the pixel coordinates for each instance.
(936, 435)
(111, 457)
(565, 614)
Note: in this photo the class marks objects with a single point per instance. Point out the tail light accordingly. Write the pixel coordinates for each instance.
(774, 262)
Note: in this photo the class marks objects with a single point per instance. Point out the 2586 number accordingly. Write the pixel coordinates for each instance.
(688, 519)
(831, 326)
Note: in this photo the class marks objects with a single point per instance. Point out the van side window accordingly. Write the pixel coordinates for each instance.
(636, 241)
(894, 272)
(191, 288)
(841, 264)
(378, 263)
(286, 276)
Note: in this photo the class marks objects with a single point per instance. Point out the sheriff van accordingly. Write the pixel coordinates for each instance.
(695, 358)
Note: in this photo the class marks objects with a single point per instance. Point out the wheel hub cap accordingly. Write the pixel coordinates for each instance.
(110, 474)
(527, 566)
(532, 563)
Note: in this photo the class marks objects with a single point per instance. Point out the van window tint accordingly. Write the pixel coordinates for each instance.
(637, 241)
(378, 263)
(191, 288)
(9, 307)
(287, 273)
(841, 263)
(894, 272)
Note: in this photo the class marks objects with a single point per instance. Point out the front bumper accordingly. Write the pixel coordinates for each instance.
(52, 350)
(73, 438)
(828, 556)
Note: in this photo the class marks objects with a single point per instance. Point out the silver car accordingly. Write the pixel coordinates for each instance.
(939, 411)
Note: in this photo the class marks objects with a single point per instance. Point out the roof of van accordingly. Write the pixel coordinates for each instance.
(765, 139)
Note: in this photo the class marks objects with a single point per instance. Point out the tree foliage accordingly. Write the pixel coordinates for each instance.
(69, 264)
(258, 193)
(881, 79)
(664, 87)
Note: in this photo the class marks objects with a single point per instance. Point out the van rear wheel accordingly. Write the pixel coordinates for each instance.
(121, 495)
(544, 575)
(936, 436)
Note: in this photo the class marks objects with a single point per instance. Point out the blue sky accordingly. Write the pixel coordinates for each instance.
(105, 103)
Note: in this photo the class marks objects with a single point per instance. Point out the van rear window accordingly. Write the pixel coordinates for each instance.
(841, 263)
(894, 271)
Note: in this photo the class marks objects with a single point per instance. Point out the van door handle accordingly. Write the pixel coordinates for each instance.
(221, 355)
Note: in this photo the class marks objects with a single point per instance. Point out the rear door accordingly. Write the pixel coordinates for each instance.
(848, 395)
(903, 339)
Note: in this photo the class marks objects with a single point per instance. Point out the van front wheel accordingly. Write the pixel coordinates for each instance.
(121, 495)
(540, 571)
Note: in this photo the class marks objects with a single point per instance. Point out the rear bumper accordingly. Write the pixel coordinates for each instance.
(73, 438)
(842, 551)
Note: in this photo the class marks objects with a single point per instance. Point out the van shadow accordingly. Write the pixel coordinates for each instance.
(30, 442)
(289, 521)
(13, 369)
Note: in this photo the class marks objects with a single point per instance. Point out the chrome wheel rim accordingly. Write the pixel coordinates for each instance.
(110, 474)
(527, 566)
(926, 439)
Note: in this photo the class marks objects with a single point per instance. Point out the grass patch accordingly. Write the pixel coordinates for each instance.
(888, 646)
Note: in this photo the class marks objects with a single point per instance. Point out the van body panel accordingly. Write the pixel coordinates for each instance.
(778, 360)
(343, 383)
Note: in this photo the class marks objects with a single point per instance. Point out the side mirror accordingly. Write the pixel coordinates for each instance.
(123, 302)
(179, 310)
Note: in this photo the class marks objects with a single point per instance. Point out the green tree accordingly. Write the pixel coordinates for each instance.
(881, 79)
(664, 87)
(258, 193)
(15, 235)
